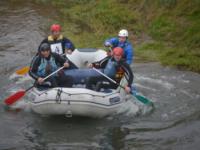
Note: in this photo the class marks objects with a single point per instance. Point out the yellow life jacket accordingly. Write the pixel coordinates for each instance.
(50, 38)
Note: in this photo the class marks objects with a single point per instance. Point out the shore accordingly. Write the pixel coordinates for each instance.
(166, 31)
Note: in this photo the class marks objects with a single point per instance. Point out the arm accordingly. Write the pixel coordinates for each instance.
(113, 42)
(59, 59)
(102, 63)
(128, 73)
(34, 67)
(128, 53)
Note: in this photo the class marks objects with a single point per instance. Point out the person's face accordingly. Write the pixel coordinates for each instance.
(117, 57)
(109, 53)
(55, 34)
(122, 39)
(45, 53)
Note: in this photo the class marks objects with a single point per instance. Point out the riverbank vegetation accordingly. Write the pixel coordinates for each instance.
(161, 30)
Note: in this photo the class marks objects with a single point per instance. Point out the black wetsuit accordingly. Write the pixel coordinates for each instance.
(121, 65)
(60, 79)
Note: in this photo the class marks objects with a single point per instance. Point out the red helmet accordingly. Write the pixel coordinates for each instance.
(118, 51)
(55, 27)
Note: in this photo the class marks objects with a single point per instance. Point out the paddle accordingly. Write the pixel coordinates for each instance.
(141, 98)
(15, 97)
(25, 69)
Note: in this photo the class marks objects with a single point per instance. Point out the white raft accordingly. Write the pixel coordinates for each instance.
(79, 101)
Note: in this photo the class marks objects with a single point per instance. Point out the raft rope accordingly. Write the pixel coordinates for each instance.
(70, 94)
(44, 92)
(60, 91)
(58, 96)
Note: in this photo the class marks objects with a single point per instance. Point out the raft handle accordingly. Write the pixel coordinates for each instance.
(68, 114)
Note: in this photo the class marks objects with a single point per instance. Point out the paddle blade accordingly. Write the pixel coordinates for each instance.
(15, 97)
(143, 99)
(23, 70)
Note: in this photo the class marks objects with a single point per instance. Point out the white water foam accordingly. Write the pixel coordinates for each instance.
(21, 104)
(156, 81)
(20, 78)
(145, 87)
(129, 109)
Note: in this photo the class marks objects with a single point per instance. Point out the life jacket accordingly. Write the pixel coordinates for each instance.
(110, 69)
(119, 74)
(56, 45)
(46, 67)
(123, 45)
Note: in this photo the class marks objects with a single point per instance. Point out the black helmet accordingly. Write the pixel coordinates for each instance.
(44, 46)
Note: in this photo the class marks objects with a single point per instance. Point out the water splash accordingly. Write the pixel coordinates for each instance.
(160, 82)
(128, 109)
(20, 78)
(22, 105)
(134, 108)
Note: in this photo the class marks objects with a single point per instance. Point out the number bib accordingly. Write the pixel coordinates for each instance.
(57, 48)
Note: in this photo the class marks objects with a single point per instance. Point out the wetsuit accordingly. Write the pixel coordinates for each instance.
(41, 67)
(122, 69)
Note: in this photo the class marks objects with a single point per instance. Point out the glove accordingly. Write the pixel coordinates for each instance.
(108, 44)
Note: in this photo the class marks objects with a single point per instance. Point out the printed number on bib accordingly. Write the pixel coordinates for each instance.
(56, 48)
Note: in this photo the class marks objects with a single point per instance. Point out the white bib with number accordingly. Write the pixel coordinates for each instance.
(57, 48)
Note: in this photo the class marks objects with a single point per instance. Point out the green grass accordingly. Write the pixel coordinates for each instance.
(149, 51)
(179, 57)
(172, 27)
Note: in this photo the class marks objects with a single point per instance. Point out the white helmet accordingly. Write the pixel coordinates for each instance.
(123, 33)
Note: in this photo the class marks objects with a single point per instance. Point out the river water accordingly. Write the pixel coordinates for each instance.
(174, 124)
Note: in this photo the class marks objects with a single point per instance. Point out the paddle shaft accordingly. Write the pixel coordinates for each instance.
(53, 72)
(47, 77)
(141, 98)
(107, 77)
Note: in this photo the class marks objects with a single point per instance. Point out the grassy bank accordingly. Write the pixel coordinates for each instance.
(161, 30)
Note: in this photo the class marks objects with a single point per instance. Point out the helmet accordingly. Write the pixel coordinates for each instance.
(44, 46)
(55, 27)
(118, 51)
(123, 33)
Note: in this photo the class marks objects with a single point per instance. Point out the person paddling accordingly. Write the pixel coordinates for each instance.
(116, 68)
(47, 62)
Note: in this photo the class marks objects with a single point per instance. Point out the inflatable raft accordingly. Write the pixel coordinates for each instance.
(79, 101)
